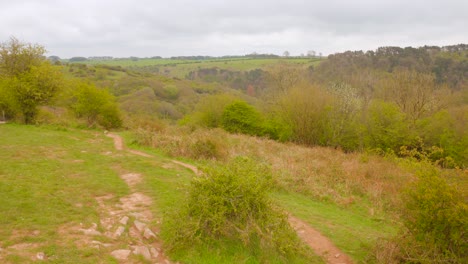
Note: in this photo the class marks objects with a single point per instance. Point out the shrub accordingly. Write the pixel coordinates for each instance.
(240, 117)
(435, 217)
(386, 127)
(207, 149)
(437, 214)
(231, 203)
(209, 110)
(95, 105)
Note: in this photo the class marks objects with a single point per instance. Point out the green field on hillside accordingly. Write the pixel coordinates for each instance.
(180, 68)
(53, 176)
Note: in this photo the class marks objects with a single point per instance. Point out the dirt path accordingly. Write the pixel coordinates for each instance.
(320, 244)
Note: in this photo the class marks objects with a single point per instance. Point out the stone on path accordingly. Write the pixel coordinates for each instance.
(121, 254)
(90, 232)
(142, 250)
(148, 234)
(139, 225)
(124, 220)
(119, 231)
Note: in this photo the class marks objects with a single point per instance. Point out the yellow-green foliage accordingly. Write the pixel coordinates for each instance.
(28, 79)
(96, 105)
(231, 203)
(240, 117)
(437, 215)
(435, 220)
(209, 110)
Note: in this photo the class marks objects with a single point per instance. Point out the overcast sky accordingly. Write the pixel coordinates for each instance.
(146, 28)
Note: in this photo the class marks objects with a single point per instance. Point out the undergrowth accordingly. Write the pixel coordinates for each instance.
(435, 219)
(231, 203)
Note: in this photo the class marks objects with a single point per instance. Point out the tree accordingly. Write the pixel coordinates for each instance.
(96, 105)
(16, 57)
(36, 87)
(304, 109)
(284, 76)
(286, 54)
(29, 80)
(413, 92)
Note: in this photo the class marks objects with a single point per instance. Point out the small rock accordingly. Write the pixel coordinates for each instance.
(36, 232)
(337, 255)
(139, 225)
(119, 231)
(154, 252)
(148, 234)
(142, 250)
(124, 220)
(121, 254)
(40, 256)
(90, 232)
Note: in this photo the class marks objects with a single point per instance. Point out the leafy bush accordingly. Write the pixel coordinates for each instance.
(436, 213)
(240, 117)
(95, 105)
(276, 129)
(387, 127)
(231, 203)
(209, 111)
(435, 218)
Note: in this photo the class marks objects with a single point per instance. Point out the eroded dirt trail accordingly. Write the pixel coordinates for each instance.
(320, 244)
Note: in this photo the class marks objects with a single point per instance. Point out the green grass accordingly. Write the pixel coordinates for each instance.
(180, 68)
(50, 177)
(48, 171)
(350, 229)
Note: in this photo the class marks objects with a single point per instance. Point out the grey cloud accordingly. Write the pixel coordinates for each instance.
(146, 28)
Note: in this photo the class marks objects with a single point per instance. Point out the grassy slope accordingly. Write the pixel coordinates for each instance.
(50, 172)
(49, 178)
(180, 68)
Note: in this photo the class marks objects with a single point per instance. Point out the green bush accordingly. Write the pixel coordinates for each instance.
(240, 117)
(276, 129)
(231, 204)
(437, 214)
(209, 111)
(96, 105)
(110, 116)
(387, 127)
(435, 218)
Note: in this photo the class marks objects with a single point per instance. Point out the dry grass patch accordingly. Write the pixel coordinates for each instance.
(323, 173)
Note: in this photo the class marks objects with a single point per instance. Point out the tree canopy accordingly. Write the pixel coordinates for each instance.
(27, 79)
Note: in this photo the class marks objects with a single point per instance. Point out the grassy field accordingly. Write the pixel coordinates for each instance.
(180, 68)
(50, 178)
